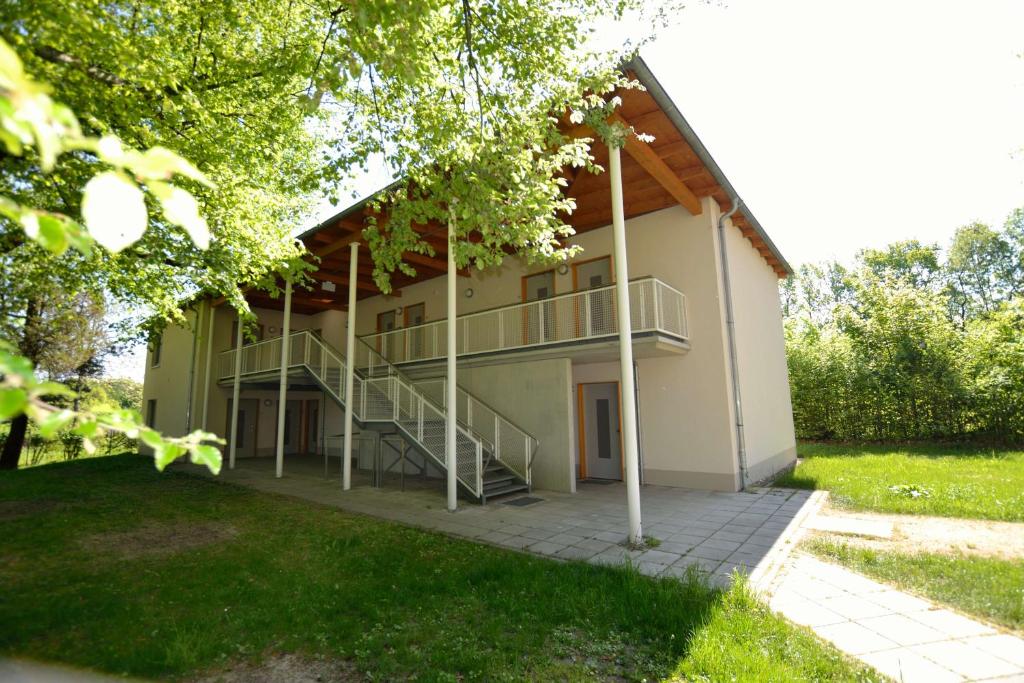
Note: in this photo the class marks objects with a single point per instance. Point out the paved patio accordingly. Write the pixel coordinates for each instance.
(717, 532)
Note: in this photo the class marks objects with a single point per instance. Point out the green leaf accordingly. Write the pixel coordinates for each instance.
(53, 389)
(150, 437)
(181, 208)
(207, 455)
(87, 428)
(166, 453)
(54, 422)
(12, 402)
(51, 234)
(114, 210)
(160, 163)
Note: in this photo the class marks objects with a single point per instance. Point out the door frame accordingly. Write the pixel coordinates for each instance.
(526, 309)
(576, 286)
(582, 436)
(576, 264)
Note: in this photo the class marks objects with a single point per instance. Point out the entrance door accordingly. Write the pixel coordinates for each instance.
(539, 320)
(597, 313)
(312, 427)
(248, 412)
(292, 426)
(386, 322)
(415, 315)
(600, 437)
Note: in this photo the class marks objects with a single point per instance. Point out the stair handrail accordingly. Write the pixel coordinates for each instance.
(301, 346)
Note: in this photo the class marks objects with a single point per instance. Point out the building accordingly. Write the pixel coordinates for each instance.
(539, 375)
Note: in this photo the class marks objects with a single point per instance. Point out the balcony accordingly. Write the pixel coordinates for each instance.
(582, 319)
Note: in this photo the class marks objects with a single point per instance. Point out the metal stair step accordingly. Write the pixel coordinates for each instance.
(506, 490)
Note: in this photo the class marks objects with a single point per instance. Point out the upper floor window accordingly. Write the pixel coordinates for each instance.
(156, 344)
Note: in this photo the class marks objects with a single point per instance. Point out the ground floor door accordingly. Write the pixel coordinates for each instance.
(292, 426)
(600, 431)
(312, 444)
(248, 418)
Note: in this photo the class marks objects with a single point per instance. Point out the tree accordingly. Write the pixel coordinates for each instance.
(274, 101)
(979, 265)
(909, 261)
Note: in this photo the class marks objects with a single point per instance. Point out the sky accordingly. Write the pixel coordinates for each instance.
(844, 125)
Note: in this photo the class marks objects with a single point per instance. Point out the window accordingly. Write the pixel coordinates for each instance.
(151, 413)
(155, 346)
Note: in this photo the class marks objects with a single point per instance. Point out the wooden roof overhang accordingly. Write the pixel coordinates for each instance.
(673, 169)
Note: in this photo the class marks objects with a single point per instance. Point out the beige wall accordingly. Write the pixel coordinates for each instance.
(169, 381)
(761, 350)
(686, 412)
(684, 425)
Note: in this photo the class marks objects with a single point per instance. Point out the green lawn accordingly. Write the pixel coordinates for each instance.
(990, 588)
(952, 481)
(106, 564)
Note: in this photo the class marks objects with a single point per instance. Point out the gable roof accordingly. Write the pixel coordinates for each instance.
(675, 168)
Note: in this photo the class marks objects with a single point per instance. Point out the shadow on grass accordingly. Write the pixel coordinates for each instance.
(295, 577)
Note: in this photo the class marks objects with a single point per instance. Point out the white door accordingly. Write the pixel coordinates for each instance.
(601, 438)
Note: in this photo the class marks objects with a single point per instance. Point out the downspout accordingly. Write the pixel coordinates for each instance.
(730, 333)
(192, 372)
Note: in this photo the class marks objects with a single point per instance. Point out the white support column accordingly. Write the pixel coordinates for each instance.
(235, 391)
(629, 434)
(282, 392)
(209, 363)
(350, 365)
(451, 408)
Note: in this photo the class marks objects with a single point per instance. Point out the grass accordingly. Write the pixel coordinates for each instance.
(81, 586)
(951, 481)
(986, 587)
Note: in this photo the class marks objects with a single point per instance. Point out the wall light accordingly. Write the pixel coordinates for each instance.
(469, 292)
(563, 268)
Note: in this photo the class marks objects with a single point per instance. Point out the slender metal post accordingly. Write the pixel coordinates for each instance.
(629, 430)
(282, 392)
(350, 365)
(209, 364)
(451, 461)
(235, 391)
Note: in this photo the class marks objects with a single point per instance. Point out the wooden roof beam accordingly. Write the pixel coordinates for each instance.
(649, 160)
(645, 155)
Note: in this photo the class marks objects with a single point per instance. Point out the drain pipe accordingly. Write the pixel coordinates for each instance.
(192, 371)
(730, 325)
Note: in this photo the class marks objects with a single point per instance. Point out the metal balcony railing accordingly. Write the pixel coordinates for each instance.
(575, 316)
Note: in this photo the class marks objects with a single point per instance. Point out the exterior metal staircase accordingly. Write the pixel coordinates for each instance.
(493, 456)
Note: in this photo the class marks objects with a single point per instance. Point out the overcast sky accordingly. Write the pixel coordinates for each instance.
(848, 125)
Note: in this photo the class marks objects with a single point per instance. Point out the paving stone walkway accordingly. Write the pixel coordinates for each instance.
(900, 635)
(717, 532)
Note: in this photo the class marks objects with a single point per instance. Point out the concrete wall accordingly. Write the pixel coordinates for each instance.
(536, 396)
(761, 350)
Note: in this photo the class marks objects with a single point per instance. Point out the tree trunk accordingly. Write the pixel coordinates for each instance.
(19, 425)
(15, 440)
